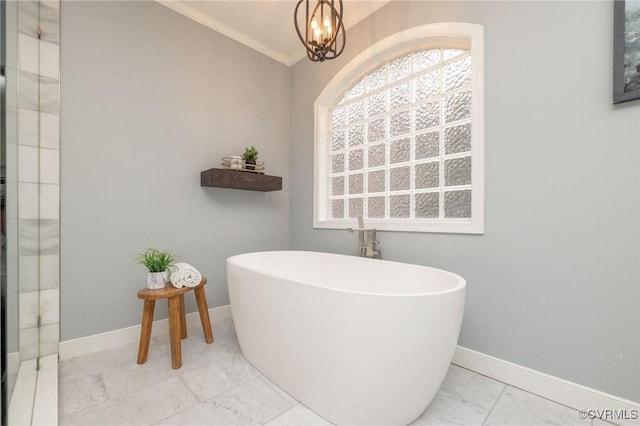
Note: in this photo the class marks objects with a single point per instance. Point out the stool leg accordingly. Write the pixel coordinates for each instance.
(174, 332)
(201, 298)
(183, 319)
(145, 331)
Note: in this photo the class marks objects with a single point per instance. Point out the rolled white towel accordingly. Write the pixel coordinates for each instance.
(184, 275)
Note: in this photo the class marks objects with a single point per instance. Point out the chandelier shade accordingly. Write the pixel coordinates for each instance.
(322, 31)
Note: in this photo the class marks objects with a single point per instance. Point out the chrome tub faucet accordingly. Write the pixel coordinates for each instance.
(369, 246)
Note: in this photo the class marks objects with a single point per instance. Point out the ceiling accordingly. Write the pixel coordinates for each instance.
(264, 25)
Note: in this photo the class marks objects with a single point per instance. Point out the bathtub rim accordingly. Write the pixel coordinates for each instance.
(459, 286)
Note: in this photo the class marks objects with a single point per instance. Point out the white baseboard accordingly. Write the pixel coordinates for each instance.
(547, 386)
(550, 387)
(100, 342)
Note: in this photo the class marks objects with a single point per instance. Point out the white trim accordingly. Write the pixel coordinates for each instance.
(550, 387)
(21, 404)
(45, 405)
(103, 341)
(34, 400)
(424, 36)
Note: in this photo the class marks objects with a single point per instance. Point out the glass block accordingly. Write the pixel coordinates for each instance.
(452, 53)
(457, 139)
(356, 184)
(427, 175)
(457, 107)
(400, 95)
(355, 207)
(425, 59)
(427, 145)
(400, 123)
(400, 151)
(427, 205)
(399, 205)
(337, 185)
(457, 171)
(427, 115)
(356, 111)
(337, 140)
(427, 85)
(356, 90)
(337, 117)
(457, 203)
(355, 159)
(457, 74)
(375, 207)
(376, 78)
(376, 130)
(337, 209)
(356, 135)
(376, 104)
(337, 163)
(376, 156)
(376, 181)
(399, 178)
(399, 68)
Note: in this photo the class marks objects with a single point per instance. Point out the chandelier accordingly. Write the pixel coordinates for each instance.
(324, 36)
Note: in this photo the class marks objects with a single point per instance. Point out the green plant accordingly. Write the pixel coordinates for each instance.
(250, 155)
(156, 260)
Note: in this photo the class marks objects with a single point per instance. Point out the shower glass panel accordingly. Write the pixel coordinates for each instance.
(9, 203)
(30, 34)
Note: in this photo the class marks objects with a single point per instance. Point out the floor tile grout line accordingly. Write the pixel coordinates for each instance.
(281, 414)
(278, 389)
(465, 401)
(228, 390)
(244, 383)
(519, 388)
(484, 422)
(547, 399)
(188, 388)
(271, 385)
(479, 374)
(183, 410)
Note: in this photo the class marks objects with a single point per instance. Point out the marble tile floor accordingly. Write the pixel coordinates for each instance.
(217, 386)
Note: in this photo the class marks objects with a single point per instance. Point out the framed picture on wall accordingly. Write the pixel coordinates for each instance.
(626, 51)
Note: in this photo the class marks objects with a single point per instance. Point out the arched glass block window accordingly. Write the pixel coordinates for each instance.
(401, 142)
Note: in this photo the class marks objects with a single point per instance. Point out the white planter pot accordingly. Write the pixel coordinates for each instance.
(157, 280)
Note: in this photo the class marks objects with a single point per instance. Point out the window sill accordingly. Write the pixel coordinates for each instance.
(456, 226)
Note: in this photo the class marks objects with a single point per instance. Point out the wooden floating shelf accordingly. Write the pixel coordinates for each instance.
(235, 179)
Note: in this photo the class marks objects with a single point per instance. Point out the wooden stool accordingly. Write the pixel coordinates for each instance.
(177, 319)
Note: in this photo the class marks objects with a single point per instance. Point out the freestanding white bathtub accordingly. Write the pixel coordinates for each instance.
(359, 341)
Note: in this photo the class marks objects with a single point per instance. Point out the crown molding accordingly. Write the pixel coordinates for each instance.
(288, 60)
(224, 29)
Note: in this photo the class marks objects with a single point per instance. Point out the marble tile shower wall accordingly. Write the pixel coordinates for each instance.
(39, 177)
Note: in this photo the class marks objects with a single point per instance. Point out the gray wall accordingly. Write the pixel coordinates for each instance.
(150, 99)
(553, 282)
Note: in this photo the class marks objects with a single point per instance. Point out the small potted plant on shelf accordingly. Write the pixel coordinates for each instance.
(157, 263)
(250, 157)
